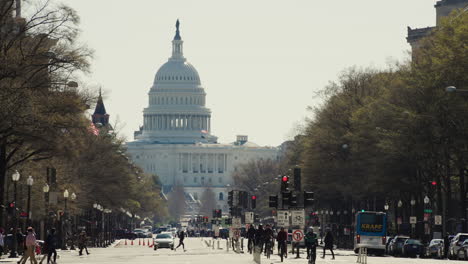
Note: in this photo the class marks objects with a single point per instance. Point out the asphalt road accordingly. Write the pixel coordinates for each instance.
(197, 252)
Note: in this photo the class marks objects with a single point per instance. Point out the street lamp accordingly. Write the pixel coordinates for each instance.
(386, 206)
(29, 182)
(400, 204)
(64, 237)
(13, 254)
(45, 190)
(450, 89)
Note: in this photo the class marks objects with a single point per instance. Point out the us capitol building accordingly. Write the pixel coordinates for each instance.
(175, 141)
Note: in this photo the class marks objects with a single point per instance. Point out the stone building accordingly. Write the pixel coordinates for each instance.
(175, 141)
(443, 9)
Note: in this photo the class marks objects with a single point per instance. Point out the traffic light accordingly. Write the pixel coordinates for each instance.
(434, 183)
(286, 197)
(230, 198)
(219, 213)
(297, 179)
(205, 219)
(308, 199)
(253, 201)
(285, 183)
(273, 201)
(243, 199)
(292, 200)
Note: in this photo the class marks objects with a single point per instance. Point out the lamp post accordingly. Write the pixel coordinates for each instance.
(72, 247)
(413, 225)
(45, 189)
(29, 182)
(13, 254)
(94, 224)
(64, 220)
(400, 204)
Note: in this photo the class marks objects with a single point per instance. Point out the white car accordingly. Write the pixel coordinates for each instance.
(164, 240)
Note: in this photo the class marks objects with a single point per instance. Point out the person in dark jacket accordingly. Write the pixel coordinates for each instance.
(282, 239)
(328, 244)
(51, 245)
(251, 238)
(259, 237)
(446, 245)
(181, 240)
(82, 242)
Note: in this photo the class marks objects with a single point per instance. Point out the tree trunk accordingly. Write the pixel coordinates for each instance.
(3, 169)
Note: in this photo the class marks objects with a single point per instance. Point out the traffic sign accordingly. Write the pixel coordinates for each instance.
(298, 217)
(438, 220)
(236, 222)
(283, 218)
(412, 220)
(249, 217)
(297, 235)
(428, 210)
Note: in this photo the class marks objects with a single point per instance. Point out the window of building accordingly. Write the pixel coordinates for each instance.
(195, 179)
(202, 180)
(220, 179)
(221, 196)
(209, 180)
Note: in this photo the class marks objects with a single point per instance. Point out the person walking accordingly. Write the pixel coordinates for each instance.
(259, 238)
(82, 242)
(446, 245)
(311, 242)
(282, 239)
(328, 244)
(30, 247)
(268, 239)
(2, 241)
(181, 240)
(51, 245)
(251, 238)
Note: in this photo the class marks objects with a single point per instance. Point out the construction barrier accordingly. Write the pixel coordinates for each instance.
(362, 256)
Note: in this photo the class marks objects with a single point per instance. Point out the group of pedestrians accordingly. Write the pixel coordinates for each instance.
(264, 238)
(48, 249)
(29, 247)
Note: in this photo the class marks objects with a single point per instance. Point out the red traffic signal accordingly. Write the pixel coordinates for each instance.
(12, 205)
(285, 179)
(434, 183)
(254, 197)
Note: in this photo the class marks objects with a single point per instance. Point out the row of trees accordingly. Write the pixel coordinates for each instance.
(44, 123)
(384, 135)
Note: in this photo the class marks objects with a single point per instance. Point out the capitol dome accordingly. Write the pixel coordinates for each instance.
(176, 111)
(177, 71)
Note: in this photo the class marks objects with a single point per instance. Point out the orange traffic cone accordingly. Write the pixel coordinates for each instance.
(150, 245)
(139, 241)
(144, 243)
(132, 243)
(125, 241)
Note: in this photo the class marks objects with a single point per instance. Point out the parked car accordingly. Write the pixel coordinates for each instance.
(435, 248)
(164, 240)
(462, 252)
(396, 245)
(412, 248)
(125, 234)
(455, 244)
(142, 233)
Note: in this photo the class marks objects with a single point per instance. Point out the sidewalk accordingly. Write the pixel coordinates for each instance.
(60, 254)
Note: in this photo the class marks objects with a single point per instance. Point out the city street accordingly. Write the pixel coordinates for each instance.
(198, 253)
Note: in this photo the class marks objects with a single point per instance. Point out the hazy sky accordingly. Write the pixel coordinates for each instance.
(260, 61)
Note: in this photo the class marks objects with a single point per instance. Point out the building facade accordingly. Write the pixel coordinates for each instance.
(443, 9)
(175, 141)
